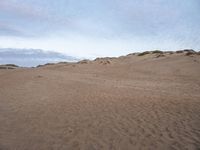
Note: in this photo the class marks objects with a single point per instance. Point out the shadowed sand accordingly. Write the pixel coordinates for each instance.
(147, 102)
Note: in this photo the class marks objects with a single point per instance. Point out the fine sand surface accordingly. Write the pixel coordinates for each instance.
(127, 103)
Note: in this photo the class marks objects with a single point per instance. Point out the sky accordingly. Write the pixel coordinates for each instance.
(97, 28)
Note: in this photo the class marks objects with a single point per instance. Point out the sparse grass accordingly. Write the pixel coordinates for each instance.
(39, 66)
(189, 50)
(6, 67)
(144, 53)
(189, 53)
(105, 62)
(3, 67)
(180, 51)
(11, 65)
(48, 64)
(63, 62)
(160, 55)
(131, 54)
(169, 52)
(157, 52)
(85, 61)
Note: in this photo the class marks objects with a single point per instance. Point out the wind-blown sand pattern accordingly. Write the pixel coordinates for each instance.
(148, 102)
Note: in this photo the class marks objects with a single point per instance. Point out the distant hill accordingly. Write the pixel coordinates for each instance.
(31, 57)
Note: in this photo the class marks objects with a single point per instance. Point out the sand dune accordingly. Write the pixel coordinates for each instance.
(146, 102)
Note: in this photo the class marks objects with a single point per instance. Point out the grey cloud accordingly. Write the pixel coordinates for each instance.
(31, 57)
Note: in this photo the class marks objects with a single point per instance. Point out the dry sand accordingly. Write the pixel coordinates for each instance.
(127, 103)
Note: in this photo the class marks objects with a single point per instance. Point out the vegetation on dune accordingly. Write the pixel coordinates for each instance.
(160, 55)
(157, 52)
(6, 67)
(189, 53)
(180, 51)
(189, 50)
(85, 61)
(47, 64)
(144, 53)
(11, 65)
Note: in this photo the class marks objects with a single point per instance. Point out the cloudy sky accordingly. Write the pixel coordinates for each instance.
(91, 28)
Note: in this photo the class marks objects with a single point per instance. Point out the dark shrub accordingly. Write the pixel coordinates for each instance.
(144, 53)
(7, 67)
(157, 52)
(3, 67)
(180, 51)
(39, 66)
(189, 50)
(85, 61)
(131, 54)
(48, 64)
(11, 65)
(160, 55)
(189, 53)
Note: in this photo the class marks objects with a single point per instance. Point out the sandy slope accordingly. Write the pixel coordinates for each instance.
(128, 103)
